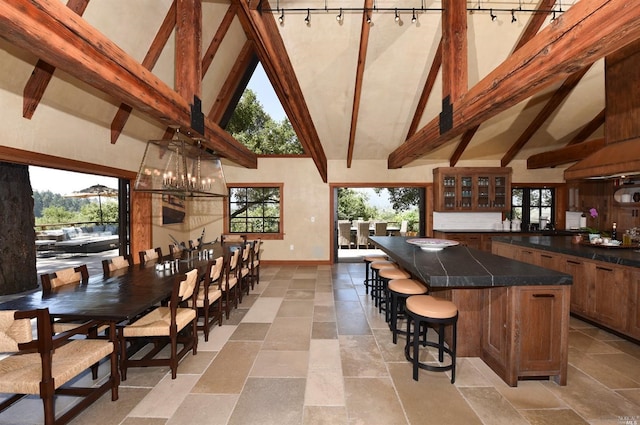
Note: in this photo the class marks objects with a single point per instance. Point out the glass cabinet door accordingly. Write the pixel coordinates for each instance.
(483, 192)
(466, 192)
(449, 191)
(500, 191)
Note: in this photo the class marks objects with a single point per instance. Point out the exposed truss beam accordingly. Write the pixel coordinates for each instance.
(43, 72)
(588, 31)
(149, 61)
(454, 49)
(49, 30)
(357, 92)
(246, 57)
(188, 62)
(262, 29)
(565, 155)
(549, 108)
(208, 56)
(426, 91)
(589, 129)
(533, 26)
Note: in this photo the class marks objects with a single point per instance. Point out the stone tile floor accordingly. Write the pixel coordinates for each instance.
(308, 347)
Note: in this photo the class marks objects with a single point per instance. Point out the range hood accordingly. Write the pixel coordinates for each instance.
(612, 161)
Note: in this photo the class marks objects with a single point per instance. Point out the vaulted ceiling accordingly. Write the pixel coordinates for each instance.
(453, 85)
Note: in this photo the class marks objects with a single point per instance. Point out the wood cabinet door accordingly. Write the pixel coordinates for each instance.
(550, 261)
(633, 325)
(610, 296)
(542, 315)
(579, 270)
(495, 334)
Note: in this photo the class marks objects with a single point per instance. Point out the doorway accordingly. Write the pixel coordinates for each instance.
(401, 207)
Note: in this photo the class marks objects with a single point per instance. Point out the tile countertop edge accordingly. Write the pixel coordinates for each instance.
(563, 245)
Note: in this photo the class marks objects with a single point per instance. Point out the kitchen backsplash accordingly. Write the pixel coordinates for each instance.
(467, 221)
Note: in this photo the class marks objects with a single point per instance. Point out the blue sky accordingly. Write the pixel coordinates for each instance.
(261, 85)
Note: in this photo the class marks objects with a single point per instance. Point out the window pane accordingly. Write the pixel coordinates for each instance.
(547, 197)
(517, 213)
(534, 197)
(254, 210)
(534, 215)
(516, 197)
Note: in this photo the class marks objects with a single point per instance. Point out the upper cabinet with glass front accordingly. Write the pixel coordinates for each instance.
(474, 189)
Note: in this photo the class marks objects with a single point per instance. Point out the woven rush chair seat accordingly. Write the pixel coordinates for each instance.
(164, 325)
(42, 366)
(231, 278)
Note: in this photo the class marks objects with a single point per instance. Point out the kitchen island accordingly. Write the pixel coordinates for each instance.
(513, 315)
(606, 280)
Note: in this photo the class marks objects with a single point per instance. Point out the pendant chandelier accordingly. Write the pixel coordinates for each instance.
(182, 167)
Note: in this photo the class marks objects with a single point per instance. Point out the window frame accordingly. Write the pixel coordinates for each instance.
(254, 235)
(526, 202)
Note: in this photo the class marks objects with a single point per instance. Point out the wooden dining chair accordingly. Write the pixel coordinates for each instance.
(171, 324)
(41, 366)
(230, 284)
(67, 276)
(209, 297)
(245, 269)
(116, 263)
(254, 272)
(60, 279)
(232, 238)
(175, 249)
(150, 255)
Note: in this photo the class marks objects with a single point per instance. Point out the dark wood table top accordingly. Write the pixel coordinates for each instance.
(123, 295)
(464, 267)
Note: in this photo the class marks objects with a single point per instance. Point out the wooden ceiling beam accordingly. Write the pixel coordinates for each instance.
(365, 27)
(149, 61)
(262, 29)
(230, 86)
(47, 29)
(222, 30)
(533, 26)
(426, 90)
(589, 129)
(565, 155)
(588, 31)
(43, 72)
(188, 73)
(549, 108)
(454, 50)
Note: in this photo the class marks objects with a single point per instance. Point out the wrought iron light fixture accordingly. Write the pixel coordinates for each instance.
(181, 166)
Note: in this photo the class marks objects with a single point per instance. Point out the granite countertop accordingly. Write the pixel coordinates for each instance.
(562, 244)
(510, 232)
(463, 267)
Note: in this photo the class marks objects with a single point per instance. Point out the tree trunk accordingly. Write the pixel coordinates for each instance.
(17, 234)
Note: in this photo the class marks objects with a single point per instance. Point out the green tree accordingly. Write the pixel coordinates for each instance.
(255, 129)
(353, 204)
(57, 214)
(91, 212)
(402, 198)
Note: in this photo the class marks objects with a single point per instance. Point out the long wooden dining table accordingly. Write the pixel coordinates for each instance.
(121, 296)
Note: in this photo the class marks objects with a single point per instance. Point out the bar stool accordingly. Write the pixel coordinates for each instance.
(399, 290)
(384, 276)
(368, 259)
(376, 266)
(425, 310)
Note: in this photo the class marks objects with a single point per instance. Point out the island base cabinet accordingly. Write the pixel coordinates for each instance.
(634, 305)
(525, 332)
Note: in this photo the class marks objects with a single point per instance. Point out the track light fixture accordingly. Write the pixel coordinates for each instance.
(493, 17)
(413, 16)
(368, 18)
(339, 17)
(397, 18)
(307, 19)
(553, 18)
(513, 16)
(281, 18)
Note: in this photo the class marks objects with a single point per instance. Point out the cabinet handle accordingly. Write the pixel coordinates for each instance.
(543, 295)
(604, 268)
(573, 262)
(546, 256)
